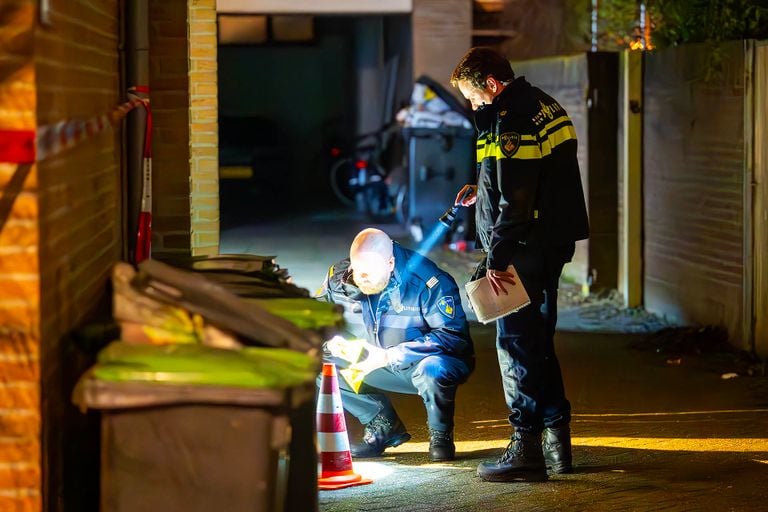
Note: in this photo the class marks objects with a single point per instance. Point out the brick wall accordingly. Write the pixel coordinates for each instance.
(442, 33)
(60, 220)
(693, 188)
(203, 127)
(169, 83)
(545, 28)
(20, 480)
(77, 67)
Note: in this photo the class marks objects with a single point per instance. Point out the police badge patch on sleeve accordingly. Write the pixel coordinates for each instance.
(446, 306)
(510, 143)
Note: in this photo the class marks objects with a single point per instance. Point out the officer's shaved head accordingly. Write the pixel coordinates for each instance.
(371, 260)
(371, 240)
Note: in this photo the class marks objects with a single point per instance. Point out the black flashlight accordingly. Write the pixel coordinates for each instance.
(450, 214)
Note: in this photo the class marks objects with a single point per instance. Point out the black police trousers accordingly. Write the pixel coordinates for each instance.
(434, 378)
(530, 371)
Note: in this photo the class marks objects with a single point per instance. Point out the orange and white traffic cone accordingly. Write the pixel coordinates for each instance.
(335, 457)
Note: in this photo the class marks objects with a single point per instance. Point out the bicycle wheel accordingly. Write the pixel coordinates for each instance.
(343, 176)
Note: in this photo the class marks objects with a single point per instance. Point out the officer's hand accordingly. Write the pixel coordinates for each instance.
(337, 347)
(377, 358)
(497, 278)
(471, 197)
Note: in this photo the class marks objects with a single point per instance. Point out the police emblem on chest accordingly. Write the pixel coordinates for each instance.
(510, 143)
(446, 306)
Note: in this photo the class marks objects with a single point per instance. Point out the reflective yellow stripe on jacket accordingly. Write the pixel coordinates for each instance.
(555, 133)
(531, 147)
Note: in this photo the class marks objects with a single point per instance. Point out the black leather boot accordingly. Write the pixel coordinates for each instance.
(557, 449)
(441, 446)
(382, 432)
(522, 461)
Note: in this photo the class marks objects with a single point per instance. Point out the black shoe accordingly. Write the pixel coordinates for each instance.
(441, 447)
(557, 449)
(522, 461)
(380, 433)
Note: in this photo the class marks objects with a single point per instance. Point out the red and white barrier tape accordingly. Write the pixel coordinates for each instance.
(28, 146)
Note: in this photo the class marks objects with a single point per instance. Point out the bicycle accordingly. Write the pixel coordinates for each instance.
(369, 178)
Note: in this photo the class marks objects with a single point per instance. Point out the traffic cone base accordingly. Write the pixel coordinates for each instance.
(331, 483)
(335, 457)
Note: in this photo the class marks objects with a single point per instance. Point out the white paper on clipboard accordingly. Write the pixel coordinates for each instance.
(489, 306)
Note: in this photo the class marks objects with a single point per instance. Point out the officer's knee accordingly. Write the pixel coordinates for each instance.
(437, 370)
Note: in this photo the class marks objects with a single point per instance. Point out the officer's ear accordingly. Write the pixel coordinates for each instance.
(391, 263)
(492, 84)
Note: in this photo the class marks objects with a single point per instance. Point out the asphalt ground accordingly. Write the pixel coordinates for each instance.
(647, 436)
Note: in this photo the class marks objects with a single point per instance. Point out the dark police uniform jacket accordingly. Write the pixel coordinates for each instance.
(529, 187)
(418, 314)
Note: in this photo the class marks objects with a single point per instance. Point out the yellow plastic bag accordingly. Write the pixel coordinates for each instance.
(351, 351)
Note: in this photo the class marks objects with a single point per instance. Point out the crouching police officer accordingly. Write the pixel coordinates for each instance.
(409, 312)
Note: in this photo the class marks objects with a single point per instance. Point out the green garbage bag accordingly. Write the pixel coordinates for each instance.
(251, 367)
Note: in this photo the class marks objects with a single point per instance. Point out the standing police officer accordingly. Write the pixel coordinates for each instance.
(529, 212)
(410, 313)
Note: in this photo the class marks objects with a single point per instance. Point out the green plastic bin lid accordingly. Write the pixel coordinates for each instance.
(252, 367)
(304, 313)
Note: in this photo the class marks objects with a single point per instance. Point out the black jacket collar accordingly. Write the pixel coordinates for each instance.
(511, 92)
(485, 116)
